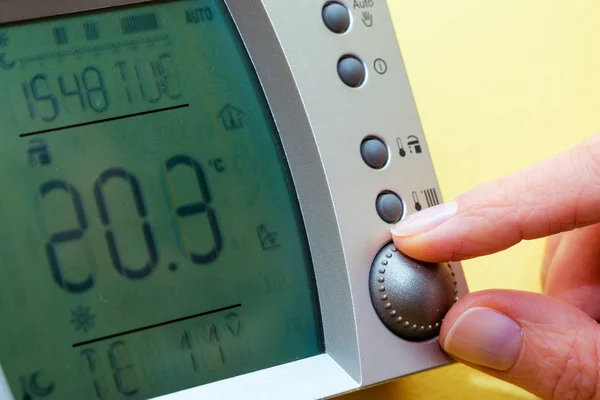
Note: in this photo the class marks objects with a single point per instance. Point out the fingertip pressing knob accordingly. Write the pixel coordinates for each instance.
(411, 297)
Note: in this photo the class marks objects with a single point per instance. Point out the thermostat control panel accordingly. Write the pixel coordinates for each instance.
(198, 197)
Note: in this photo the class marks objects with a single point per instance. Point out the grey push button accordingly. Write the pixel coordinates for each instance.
(374, 153)
(336, 17)
(351, 71)
(389, 207)
(411, 297)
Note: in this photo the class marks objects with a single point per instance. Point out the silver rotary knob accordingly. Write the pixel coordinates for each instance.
(411, 297)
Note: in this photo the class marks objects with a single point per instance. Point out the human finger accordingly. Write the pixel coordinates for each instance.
(533, 341)
(555, 195)
(573, 275)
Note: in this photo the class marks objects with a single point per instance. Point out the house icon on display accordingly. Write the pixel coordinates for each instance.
(231, 117)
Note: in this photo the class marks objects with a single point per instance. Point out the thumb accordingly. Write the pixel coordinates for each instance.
(536, 342)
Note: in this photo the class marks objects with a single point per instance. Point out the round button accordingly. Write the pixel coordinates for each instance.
(411, 297)
(336, 17)
(374, 153)
(389, 207)
(351, 71)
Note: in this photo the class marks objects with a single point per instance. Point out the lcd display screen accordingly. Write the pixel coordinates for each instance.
(151, 236)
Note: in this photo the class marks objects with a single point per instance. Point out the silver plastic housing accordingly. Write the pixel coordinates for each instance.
(322, 123)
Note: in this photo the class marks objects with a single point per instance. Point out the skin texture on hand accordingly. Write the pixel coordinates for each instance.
(548, 344)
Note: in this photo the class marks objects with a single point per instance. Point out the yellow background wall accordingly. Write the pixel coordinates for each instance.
(500, 84)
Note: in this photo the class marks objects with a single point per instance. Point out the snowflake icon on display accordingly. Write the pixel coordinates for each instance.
(83, 319)
(3, 39)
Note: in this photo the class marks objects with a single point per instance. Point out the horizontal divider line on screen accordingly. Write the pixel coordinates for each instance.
(145, 328)
(61, 128)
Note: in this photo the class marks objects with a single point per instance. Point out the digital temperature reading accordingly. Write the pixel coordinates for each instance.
(151, 236)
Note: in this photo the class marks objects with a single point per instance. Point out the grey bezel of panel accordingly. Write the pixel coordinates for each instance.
(322, 123)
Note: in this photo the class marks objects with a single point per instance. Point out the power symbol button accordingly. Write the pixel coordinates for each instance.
(380, 66)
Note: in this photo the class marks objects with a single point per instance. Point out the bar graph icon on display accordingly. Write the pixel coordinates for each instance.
(60, 35)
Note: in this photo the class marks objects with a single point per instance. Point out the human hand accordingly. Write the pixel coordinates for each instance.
(547, 344)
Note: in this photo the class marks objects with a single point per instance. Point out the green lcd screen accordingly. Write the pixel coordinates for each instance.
(151, 235)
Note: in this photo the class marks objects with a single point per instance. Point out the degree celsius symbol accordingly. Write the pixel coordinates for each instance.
(218, 164)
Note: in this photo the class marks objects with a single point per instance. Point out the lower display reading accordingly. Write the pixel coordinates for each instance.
(151, 236)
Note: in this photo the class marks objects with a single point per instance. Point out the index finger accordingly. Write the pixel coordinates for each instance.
(555, 195)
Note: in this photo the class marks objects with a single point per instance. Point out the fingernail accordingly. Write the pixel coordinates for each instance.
(485, 337)
(425, 220)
